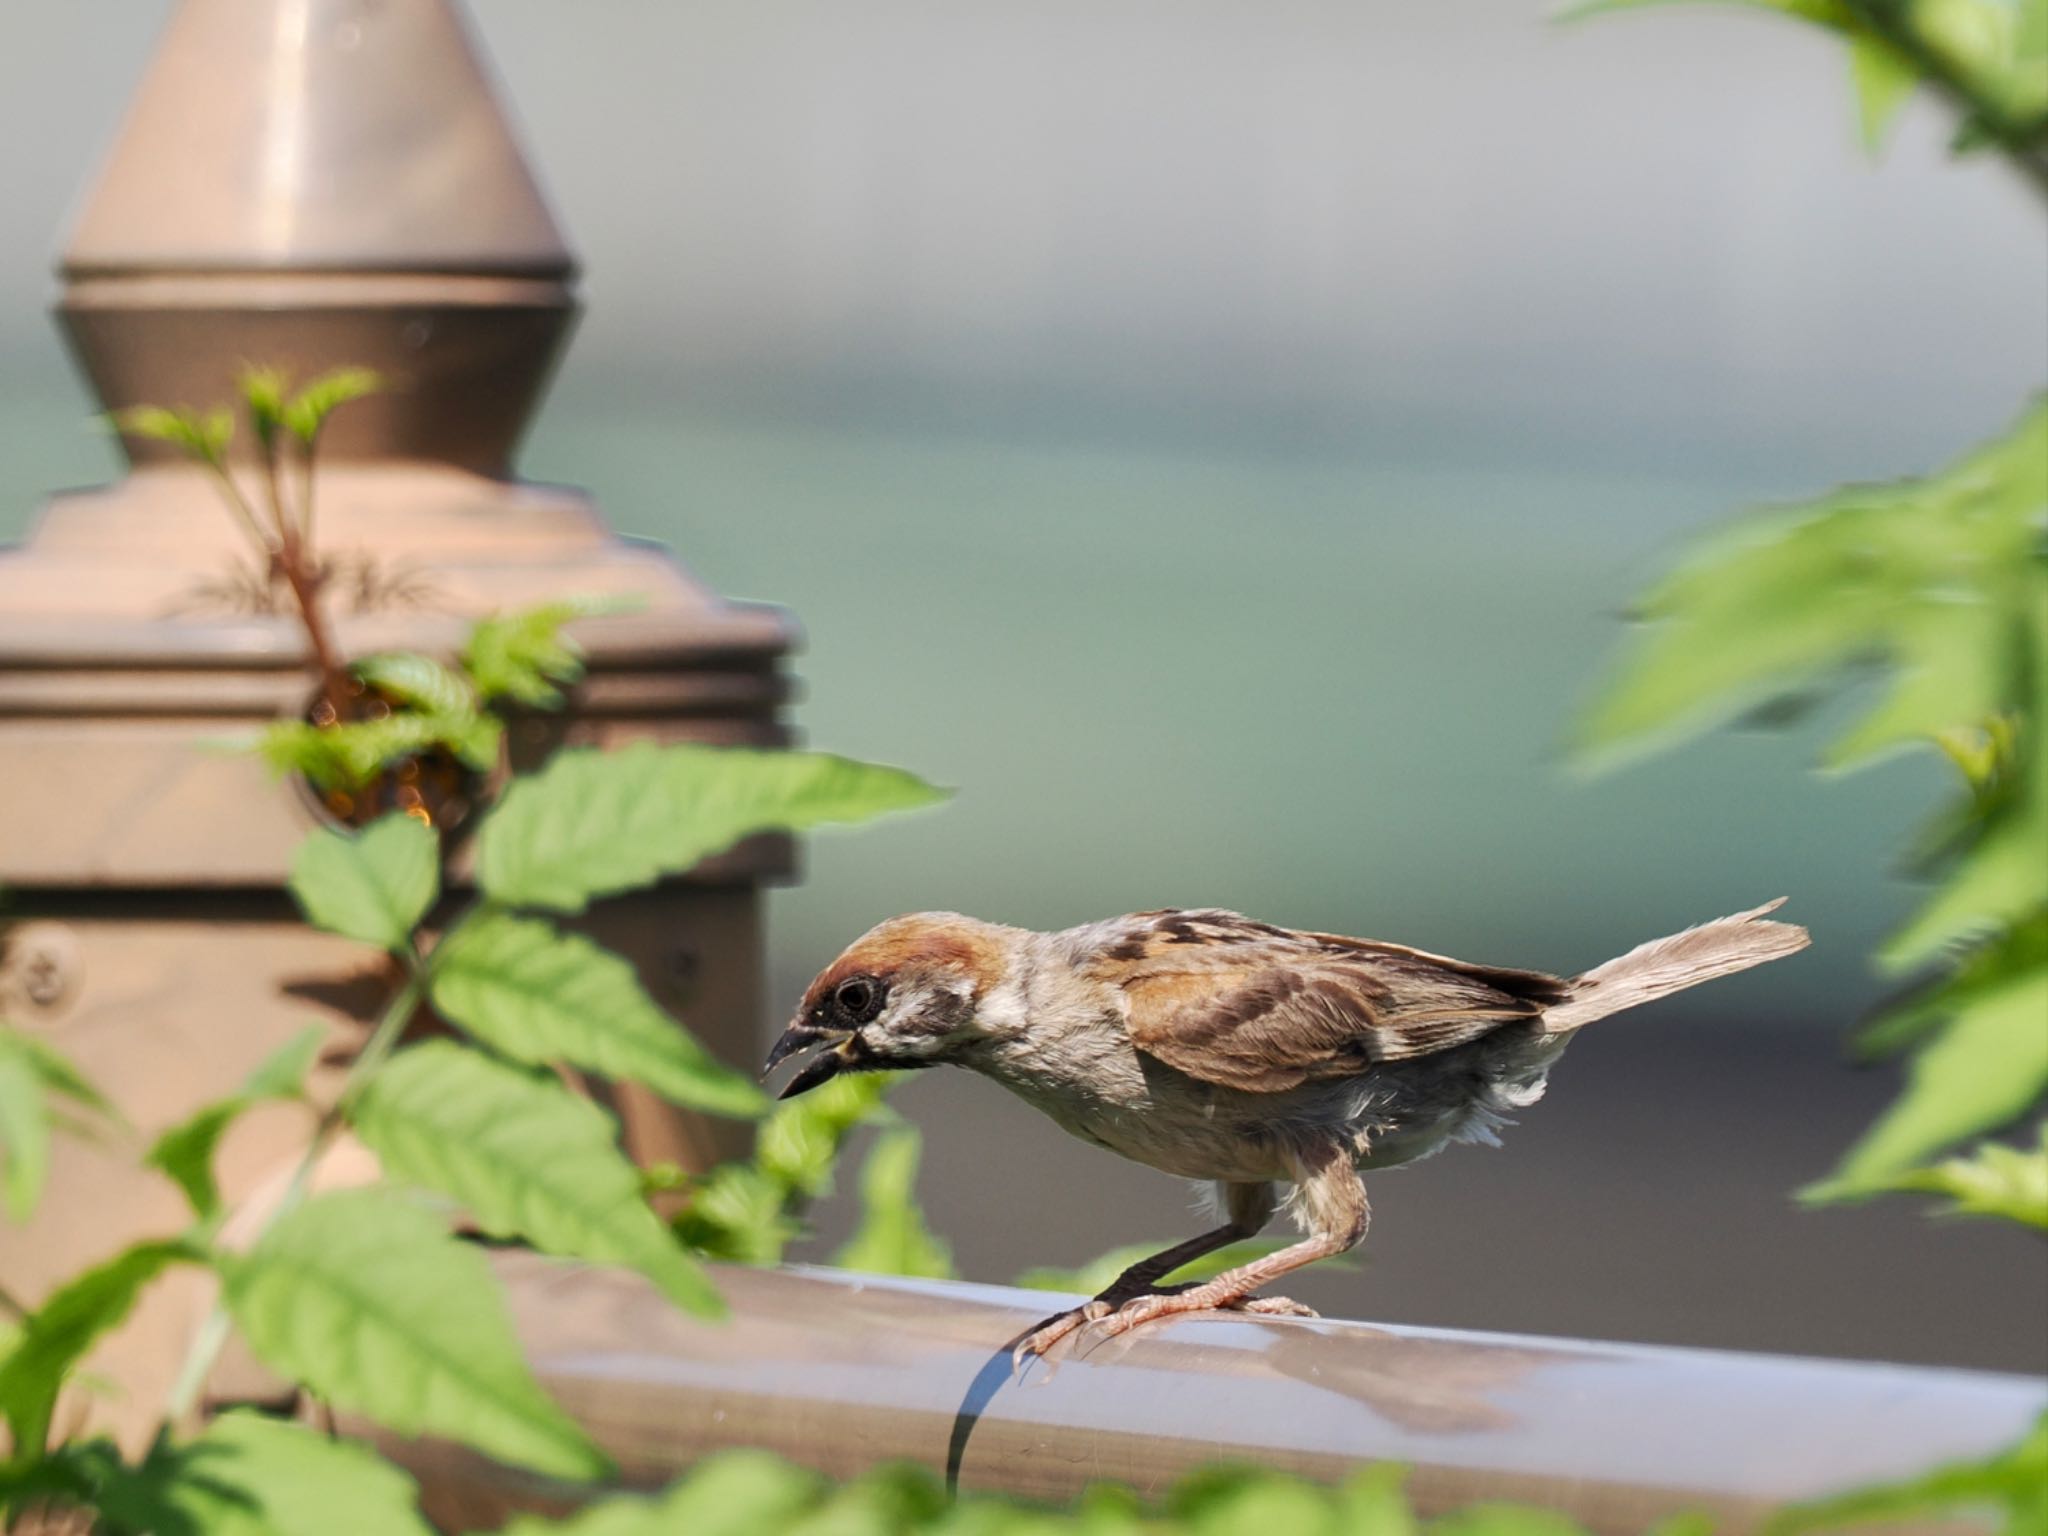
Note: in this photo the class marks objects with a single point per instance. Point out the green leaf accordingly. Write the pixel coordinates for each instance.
(2013, 1479)
(1505, 1520)
(1987, 1067)
(350, 756)
(892, 1238)
(1790, 597)
(262, 391)
(55, 1071)
(524, 656)
(739, 1214)
(735, 1493)
(204, 438)
(799, 1143)
(1884, 81)
(1095, 1276)
(309, 409)
(2010, 1183)
(58, 1334)
(1373, 1501)
(418, 682)
(248, 1475)
(368, 1301)
(184, 1153)
(592, 823)
(526, 1158)
(539, 995)
(24, 1134)
(374, 885)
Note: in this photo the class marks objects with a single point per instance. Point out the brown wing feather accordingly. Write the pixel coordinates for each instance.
(1264, 1009)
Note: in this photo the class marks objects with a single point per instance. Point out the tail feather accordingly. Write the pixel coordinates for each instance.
(1664, 966)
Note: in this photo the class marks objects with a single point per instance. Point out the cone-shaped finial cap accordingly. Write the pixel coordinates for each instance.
(355, 135)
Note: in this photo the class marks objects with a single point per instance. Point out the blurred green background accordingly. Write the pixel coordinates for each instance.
(1222, 439)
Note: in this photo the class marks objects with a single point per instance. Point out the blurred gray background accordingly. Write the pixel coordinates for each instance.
(1221, 438)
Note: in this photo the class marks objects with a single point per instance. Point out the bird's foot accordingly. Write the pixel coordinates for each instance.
(1176, 1303)
(1115, 1317)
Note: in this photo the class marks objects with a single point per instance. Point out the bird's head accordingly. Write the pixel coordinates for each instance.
(905, 994)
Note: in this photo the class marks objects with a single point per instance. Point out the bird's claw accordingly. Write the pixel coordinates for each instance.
(1114, 1318)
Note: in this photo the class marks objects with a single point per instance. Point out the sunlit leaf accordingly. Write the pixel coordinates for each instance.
(202, 437)
(59, 1333)
(349, 756)
(1884, 82)
(539, 995)
(1888, 573)
(184, 1153)
(1985, 1069)
(420, 682)
(263, 392)
(525, 655)
(308, 410)
(892, 1238)
(2010, 1183)
(367, 1300)
(374, 885)
(739, 1214)
(799, 1143)
(592, 823)
(526, 1158)
(247, 1474)
(24, 1134)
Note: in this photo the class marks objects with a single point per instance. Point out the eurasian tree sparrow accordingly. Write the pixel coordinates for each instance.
(1211, 1046)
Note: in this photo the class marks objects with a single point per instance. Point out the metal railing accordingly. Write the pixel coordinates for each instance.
(841, 1372)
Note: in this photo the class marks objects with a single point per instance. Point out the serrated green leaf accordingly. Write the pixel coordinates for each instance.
(1988, 1067)
(1883, 81)
(592, 823)
(892, 1238)
(374, 885)
(740, 1215)
(798, 1144)
(525, 656)
(735, 1493)
(307, 411)
(419, 682)
(1095, 1276)
(2010, 1183)
(350, 756)
(262, 391)
(526, 1158)
(367, 1300)
(539, 995)
(2012, 1480)
(249, 1475)
(204, 438)
(1790, 597)
(58, 1334)
(1950, 665)
(184, 1153)
(24, 1135)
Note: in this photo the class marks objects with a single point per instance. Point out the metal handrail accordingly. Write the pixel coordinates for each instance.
(842, 1372)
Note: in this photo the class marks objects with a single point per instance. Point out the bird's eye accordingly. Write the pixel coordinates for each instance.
(859, 998)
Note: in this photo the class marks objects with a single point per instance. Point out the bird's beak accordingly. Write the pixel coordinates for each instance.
(822, 1068)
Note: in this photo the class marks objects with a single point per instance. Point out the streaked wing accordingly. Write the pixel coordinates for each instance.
(1246, 1005)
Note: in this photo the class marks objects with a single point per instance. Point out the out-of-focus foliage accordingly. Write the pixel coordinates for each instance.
(892, 1238)
(2010, 1183)
(2014, 1483)
(750, 1212)
(36, 1082)
(751, 1493)
(1941, 585)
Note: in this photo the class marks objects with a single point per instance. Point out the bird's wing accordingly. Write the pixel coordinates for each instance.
(1250, 1006)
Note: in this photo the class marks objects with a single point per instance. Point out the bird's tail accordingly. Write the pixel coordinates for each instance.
(1664, 966)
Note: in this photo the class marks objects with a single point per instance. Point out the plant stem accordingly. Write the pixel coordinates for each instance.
(213, 1332)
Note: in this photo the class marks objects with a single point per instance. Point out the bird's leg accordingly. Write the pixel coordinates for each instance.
(1333, 1200)
(1250, 1207)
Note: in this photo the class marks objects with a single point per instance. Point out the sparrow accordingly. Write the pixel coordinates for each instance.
(1211, 1046)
